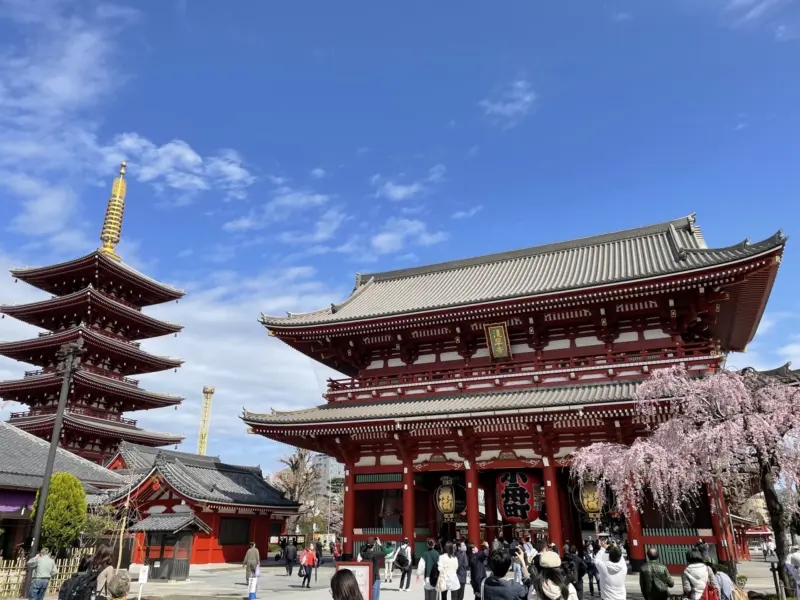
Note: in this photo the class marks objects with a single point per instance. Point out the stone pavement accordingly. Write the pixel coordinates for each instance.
(228, 582)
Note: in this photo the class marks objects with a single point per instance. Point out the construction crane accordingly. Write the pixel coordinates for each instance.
(205, 420)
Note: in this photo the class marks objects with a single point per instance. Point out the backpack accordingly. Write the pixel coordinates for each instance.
(569, 568)
(739, 594)
(434, 576)
(81, 587)
(657, 583)
(401, 560)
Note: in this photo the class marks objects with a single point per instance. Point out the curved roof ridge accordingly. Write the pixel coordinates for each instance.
(356, 293)
(102, 379)
(776, 237)
(586, 241)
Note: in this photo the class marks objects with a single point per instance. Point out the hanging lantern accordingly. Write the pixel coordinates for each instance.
(519, 496)
(450, 498)
(590, 501)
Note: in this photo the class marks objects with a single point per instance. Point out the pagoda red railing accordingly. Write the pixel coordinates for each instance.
(120, 300)
(527, 368)
(91, 369)
(76, 410)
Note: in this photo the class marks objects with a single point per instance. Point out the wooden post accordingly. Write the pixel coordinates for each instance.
(473, 515)
(490, 498)
(552, 504)
(349, 511)
(408, 504)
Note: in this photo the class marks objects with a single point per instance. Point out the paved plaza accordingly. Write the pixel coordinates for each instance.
(227, 581)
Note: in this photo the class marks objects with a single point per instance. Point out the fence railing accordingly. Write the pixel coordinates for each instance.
(12, 574)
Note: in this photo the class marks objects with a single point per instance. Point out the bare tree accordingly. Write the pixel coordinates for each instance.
(299, 481)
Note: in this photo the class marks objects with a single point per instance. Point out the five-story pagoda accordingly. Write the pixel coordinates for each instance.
(99, 299)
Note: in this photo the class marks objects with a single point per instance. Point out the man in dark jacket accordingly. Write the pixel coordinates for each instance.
(576, 568)
(477, 567)
(497, 587)
(373, 552)
(461, 572)
(654, 579)
(319, 552)
(290, 556)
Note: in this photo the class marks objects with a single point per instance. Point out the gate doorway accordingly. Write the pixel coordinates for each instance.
(169, 555)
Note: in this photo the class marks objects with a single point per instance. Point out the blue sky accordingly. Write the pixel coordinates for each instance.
(276, 149)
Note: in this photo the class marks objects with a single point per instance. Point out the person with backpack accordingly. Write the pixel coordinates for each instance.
(576, 568)
(101, 565)
(429, 569)
(83, 566)
(403, 561)
(551, 581)
(698, 579)
(654, 578)
(119, 585)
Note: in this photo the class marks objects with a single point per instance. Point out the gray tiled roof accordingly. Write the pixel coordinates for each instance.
(142, 458)
(657, 250)
(23, 458)
(479, 404)
(170, 523)
(123, 430)
(785, 373)
(204, 478)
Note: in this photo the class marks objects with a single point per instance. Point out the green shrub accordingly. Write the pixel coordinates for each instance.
(65, 513)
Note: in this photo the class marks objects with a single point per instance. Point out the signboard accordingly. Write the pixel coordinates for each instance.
(519, 496)
(497, 341)
(363, 573)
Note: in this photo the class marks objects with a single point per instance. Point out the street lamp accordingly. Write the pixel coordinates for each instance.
(68, 360)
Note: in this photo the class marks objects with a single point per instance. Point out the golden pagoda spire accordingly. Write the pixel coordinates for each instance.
(112, 224)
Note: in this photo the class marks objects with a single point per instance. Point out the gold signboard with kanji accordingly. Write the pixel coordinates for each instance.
(497, 340)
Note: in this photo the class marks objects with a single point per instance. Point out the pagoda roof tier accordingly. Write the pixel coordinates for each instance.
(89, 304)
(127, 356)
(123, 392)
(43, 423)
(103, 272)
(585, 265)
(463, 406)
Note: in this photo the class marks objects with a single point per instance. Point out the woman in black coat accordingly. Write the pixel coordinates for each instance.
(477, 566)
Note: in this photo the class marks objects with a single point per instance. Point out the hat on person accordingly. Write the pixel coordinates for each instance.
(549, 560)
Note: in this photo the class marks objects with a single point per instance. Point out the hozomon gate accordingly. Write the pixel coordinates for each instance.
(573, 328)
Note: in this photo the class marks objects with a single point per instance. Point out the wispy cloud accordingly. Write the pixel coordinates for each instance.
(318, 173)
(510, 107)
(393, 189)
(466, 214)
(324, 229)
(285, 200)
(621, 16)
(397, 234)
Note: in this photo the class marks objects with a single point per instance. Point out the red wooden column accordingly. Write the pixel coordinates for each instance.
(473, 515)
(552, 504)
(490, 499)
(408, 504)
(719, 522)
(348, 517)
(635, 543)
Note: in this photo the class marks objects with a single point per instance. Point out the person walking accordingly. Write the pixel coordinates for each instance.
(461, 572)
(252, 559)
(654, 578)
(551, 582)
(307, 561)
(44, 568)
(403, 560)
(290, 557)
(344, 586)
(591, 570)
(374, 552)
(337, 551)
(611, 572)
(388, 563)
(477, 567)
(697, 576)
(448, 571)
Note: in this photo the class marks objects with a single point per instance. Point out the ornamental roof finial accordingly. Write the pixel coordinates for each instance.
(112, 224)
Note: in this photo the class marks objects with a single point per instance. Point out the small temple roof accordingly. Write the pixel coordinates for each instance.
(31, 312)
(206, 479)
(463, 405)
(784, 373)
(140, 458)
(112, 428)
(170, 523)
(154, 292)
(24, 457)
(658, 250)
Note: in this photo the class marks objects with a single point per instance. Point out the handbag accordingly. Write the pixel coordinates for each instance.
(710, 593)
(453, 584)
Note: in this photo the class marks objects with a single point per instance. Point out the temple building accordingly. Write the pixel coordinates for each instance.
(99, 299)
(192, 509)
(487, 373)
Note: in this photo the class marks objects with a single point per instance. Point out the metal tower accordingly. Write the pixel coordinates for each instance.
(205, 420)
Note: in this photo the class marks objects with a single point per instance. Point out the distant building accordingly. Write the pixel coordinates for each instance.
(329, 469)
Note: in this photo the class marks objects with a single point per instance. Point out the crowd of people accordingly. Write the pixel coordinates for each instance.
(96, 578)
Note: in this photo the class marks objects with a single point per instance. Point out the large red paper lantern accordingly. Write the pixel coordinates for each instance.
(519, 496)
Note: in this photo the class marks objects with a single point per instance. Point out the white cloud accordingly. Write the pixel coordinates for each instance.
(392, 190)
(473, 151)
(318, 173)
(284, 202)
(399, 233)
(512, 105)
(621, 16)
(466, 214)
(324, 229)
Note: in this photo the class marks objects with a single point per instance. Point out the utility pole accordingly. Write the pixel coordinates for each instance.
(68, 360)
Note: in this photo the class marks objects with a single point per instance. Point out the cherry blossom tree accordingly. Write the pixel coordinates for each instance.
(729, 429)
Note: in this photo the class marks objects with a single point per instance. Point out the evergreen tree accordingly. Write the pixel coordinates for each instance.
(65, 513)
